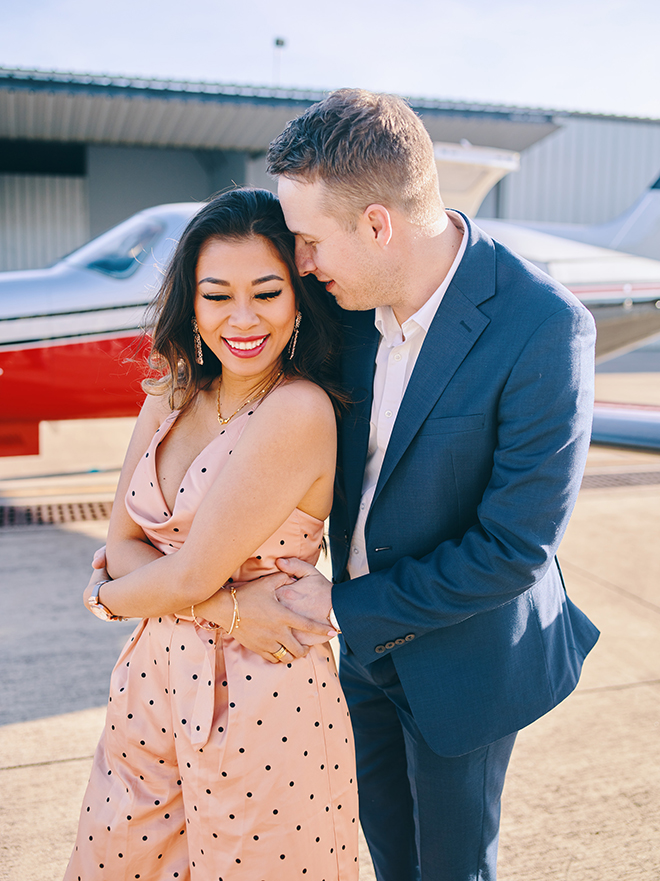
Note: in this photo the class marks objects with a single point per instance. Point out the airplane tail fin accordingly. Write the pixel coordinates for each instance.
(636, 231)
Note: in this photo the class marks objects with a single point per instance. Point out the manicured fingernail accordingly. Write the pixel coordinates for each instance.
(332, 634)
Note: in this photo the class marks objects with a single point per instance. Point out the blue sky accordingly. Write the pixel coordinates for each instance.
(592, 55)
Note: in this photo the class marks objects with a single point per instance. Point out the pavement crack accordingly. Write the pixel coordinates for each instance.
(615, 588)
(44, 764)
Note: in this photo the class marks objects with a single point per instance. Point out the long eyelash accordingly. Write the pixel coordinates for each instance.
(219, 298)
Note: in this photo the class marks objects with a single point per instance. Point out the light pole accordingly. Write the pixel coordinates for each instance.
(278, 45)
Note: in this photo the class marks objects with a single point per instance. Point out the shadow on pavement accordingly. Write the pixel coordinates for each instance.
(55, 656)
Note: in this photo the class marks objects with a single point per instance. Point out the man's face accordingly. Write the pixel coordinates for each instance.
(345, 261)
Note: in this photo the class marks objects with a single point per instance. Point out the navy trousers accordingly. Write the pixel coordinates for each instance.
(425, 817)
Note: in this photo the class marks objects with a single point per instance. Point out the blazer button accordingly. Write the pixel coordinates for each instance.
(379, 649)
(389, 645)
(410, 637)
(400, 641)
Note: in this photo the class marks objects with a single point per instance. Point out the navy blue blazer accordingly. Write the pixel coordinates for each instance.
(476, 489)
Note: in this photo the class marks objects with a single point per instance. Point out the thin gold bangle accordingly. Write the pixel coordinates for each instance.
(210, 626)
(236, 618)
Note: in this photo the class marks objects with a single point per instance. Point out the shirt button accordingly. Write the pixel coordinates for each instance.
(388, 413)
(362, 506)
(397, 357)
(356, 550)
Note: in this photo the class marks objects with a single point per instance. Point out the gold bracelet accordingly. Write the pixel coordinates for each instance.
(210, 626)
(236, 618)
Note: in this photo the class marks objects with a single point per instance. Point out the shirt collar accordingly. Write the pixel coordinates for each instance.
(386, 324)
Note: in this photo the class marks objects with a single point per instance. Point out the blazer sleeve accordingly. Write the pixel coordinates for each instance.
(544, 425)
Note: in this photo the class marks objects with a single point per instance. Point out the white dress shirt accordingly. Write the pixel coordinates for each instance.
(398, 350)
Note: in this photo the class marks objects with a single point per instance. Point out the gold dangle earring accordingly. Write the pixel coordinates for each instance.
(294, 335)
(199, 355)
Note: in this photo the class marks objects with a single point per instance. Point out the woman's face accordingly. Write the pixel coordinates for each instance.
(244, 304)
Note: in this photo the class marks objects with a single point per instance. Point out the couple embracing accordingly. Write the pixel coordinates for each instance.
(461, 379)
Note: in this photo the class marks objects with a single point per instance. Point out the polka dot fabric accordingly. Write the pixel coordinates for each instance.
(215, 765)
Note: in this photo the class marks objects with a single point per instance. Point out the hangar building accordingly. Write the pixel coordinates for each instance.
(79, 153)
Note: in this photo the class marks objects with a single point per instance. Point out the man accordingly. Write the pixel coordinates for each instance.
(460, 461)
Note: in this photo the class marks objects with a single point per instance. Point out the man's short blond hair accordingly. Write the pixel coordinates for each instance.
(367, 148)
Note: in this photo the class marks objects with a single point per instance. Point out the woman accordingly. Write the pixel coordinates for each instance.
(218, 762)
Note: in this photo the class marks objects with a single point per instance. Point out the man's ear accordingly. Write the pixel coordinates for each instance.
(379, 221)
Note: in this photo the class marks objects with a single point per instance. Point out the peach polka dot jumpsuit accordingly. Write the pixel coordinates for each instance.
(215, 765)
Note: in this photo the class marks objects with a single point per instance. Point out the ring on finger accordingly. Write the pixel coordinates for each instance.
(280, 653)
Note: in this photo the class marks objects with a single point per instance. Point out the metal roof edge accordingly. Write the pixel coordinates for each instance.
(201, 90)
(603, 117)
(145, 87)
(148, 87)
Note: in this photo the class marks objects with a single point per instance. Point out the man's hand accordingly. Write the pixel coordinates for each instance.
(267, 621)
(266, 624)
(310, 595)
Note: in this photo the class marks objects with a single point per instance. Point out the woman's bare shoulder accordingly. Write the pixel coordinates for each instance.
(301, 399)
(155, 409)
(297, 415)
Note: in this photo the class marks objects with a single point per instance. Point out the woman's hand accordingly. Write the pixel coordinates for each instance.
(99, 559)
(99, 573)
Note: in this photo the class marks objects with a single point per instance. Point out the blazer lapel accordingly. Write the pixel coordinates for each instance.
(457, 326)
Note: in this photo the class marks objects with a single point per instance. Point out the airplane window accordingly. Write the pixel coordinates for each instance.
(119, 252)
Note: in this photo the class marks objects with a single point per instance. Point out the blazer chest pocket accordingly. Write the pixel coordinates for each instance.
(452, 424)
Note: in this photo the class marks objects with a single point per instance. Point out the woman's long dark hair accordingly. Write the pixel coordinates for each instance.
(236, 215)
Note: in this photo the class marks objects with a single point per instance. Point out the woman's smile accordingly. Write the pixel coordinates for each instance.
(246, 347)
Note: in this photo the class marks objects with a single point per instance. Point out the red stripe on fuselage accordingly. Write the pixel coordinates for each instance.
(75, 380)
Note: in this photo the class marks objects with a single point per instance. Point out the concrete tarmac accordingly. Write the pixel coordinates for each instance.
(582, 799)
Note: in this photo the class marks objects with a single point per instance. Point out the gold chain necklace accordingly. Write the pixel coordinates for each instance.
(260, 394)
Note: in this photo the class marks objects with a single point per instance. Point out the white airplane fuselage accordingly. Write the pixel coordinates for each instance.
(71, 338)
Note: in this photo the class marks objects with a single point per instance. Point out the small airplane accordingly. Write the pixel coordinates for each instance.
(71, 338)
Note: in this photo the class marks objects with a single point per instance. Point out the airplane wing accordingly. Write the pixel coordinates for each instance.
(627, 425)
(622, 291)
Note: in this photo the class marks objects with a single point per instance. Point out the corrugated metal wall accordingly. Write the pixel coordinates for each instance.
(41, 218)
(587, 172)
